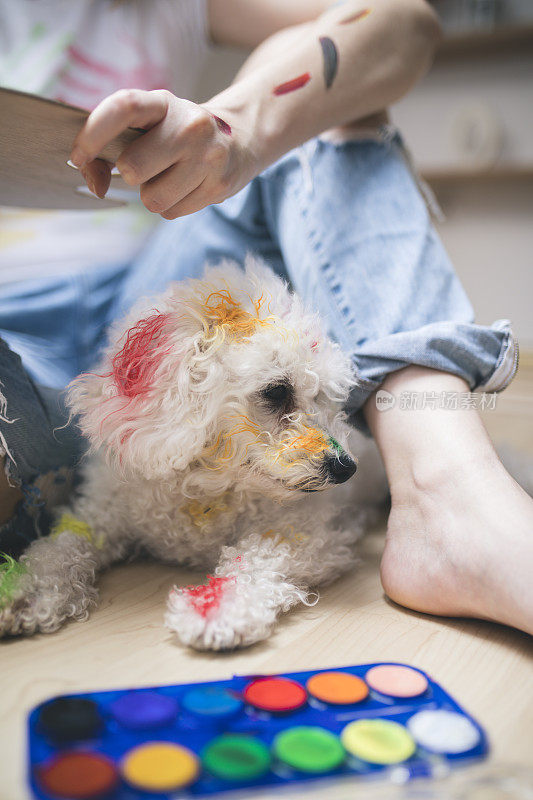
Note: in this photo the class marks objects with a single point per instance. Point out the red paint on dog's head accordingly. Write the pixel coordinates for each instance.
(134, 366)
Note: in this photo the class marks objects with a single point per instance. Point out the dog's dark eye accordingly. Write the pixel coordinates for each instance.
(278, 395)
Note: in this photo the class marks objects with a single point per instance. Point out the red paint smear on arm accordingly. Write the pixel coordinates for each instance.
(207, 597)
(222, 125)
(292, 85)
(355, 17)
(134, 366)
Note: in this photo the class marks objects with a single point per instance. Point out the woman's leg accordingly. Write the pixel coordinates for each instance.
(460, 531)
(51, 328)
(39, 456)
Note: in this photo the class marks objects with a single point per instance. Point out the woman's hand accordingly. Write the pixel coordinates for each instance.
(187, 159)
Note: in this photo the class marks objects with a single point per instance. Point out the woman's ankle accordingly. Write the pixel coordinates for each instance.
(425, 446)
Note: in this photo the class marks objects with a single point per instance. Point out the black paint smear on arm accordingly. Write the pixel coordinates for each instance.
(331, 59)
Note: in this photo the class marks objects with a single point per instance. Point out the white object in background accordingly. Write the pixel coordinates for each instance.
(477, 136)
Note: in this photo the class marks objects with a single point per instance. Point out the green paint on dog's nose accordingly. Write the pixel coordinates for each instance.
(335, 445)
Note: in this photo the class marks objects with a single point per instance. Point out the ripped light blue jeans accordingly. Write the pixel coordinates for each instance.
(344, 223)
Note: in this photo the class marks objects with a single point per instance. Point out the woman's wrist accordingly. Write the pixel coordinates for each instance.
(243, 109)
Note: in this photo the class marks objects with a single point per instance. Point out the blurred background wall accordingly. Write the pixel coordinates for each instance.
(469, 124)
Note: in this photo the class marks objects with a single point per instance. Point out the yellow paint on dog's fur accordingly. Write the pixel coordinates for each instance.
(201, 514)
(221, 450)
(68, 523)
(286, 535)
(244, 426)
(223, 311)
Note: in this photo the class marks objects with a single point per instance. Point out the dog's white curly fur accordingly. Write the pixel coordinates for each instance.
(212, 410)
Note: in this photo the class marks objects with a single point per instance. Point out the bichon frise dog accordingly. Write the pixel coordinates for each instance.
(215, 423)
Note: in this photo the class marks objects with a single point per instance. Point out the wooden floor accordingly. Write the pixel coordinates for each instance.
(487, 667)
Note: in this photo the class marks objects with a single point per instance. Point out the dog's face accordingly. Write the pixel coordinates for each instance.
(227, 381)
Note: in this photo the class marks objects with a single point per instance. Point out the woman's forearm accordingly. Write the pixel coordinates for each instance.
(351, 62)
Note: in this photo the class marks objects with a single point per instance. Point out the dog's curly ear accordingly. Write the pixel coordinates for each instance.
(150, 404)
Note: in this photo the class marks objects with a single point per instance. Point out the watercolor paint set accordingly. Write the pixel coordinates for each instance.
(250, 732)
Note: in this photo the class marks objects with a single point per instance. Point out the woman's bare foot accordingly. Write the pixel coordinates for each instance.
(460, 532)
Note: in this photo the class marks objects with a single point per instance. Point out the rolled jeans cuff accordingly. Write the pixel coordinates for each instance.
(485, 357)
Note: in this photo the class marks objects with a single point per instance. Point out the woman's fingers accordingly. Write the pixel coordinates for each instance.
(169, 188)
(194, 201)
(97, 175)
(187, 131)
(182, 163)
(151, 154)
(128, 108)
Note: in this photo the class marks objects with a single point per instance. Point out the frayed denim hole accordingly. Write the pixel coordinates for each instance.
(11, 470)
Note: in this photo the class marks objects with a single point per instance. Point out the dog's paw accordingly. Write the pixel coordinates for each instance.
(12, 618)
(42, 614)
(15, 593)
(29, 604)
(25, 615)
(218, 615)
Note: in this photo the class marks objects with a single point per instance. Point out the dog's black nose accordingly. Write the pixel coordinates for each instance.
(340, 467)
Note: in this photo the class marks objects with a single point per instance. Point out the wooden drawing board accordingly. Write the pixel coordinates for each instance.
(36, 136)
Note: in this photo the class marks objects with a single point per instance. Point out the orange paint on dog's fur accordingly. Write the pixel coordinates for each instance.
(225, 312)
(313, 441)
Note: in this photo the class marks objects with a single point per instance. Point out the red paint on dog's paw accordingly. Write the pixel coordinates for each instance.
(207, 597)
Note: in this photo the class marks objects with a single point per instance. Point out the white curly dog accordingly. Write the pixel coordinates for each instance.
(214, 421)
